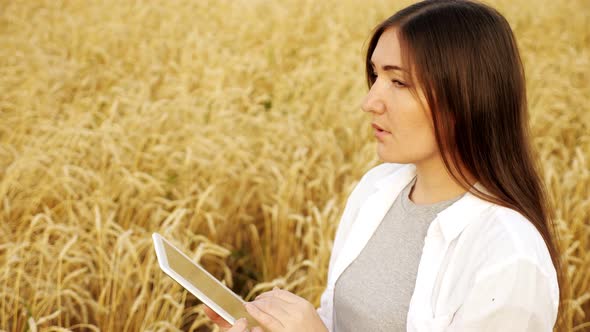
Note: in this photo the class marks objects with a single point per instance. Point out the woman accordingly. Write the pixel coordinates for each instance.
(452, 232)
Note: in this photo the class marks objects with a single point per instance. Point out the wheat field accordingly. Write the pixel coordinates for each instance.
(233, 128)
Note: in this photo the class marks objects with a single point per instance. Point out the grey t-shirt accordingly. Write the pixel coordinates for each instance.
(374, 291)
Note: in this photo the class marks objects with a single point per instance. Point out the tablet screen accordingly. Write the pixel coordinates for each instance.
(206, 284)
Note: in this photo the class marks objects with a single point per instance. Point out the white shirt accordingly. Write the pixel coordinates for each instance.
(483, 267)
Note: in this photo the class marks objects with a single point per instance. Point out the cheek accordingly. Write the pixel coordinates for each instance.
(412, 138)
(416, 137)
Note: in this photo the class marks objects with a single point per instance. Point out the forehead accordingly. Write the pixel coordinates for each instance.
(388, 49)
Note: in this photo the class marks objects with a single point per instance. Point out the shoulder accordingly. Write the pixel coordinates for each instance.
(504, 239)
(503, 249)
(512, 233)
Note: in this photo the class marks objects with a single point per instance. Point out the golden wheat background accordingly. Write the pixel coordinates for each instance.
(232, 127)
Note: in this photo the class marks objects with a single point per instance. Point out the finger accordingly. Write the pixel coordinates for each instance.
(209, 312)
(267, 320)
(221, 322)
(263, 295)
(257, 329)
(275, 294)
(284, 295)
(275, 307)
(267, 293)
(215, 317)
(241, 325)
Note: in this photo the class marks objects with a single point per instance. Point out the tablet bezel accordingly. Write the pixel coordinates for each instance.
(163, 262)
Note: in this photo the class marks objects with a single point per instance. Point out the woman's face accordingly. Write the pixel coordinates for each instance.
(408, 135)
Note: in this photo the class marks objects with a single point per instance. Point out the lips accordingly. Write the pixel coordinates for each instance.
(377, 127)
(380, 133)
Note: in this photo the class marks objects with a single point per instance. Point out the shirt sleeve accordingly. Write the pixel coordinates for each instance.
(512, 296)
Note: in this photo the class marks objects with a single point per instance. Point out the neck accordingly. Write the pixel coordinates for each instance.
(434, 184)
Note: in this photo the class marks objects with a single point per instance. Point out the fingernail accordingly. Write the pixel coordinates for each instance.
(241, 321)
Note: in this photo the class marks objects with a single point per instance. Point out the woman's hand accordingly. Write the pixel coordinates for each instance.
(282, 311)
(241, 325)
(222, 323)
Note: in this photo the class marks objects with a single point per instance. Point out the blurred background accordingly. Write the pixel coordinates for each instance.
(232, 128)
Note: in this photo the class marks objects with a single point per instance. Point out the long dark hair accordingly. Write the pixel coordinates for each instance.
(464, 56)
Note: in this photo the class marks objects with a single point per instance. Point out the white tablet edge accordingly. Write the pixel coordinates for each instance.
(163, 262)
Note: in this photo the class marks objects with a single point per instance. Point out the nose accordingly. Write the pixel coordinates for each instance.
(373, 102)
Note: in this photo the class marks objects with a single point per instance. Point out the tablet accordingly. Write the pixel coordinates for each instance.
(199, 282)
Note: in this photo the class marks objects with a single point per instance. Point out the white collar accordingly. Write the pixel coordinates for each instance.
(454, 218)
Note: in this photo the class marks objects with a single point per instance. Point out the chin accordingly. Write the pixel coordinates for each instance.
(387, 157)
(391, 157)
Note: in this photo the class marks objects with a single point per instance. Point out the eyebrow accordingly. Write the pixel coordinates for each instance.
(389, 67)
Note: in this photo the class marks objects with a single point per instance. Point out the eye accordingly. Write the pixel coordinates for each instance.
(398, 84)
